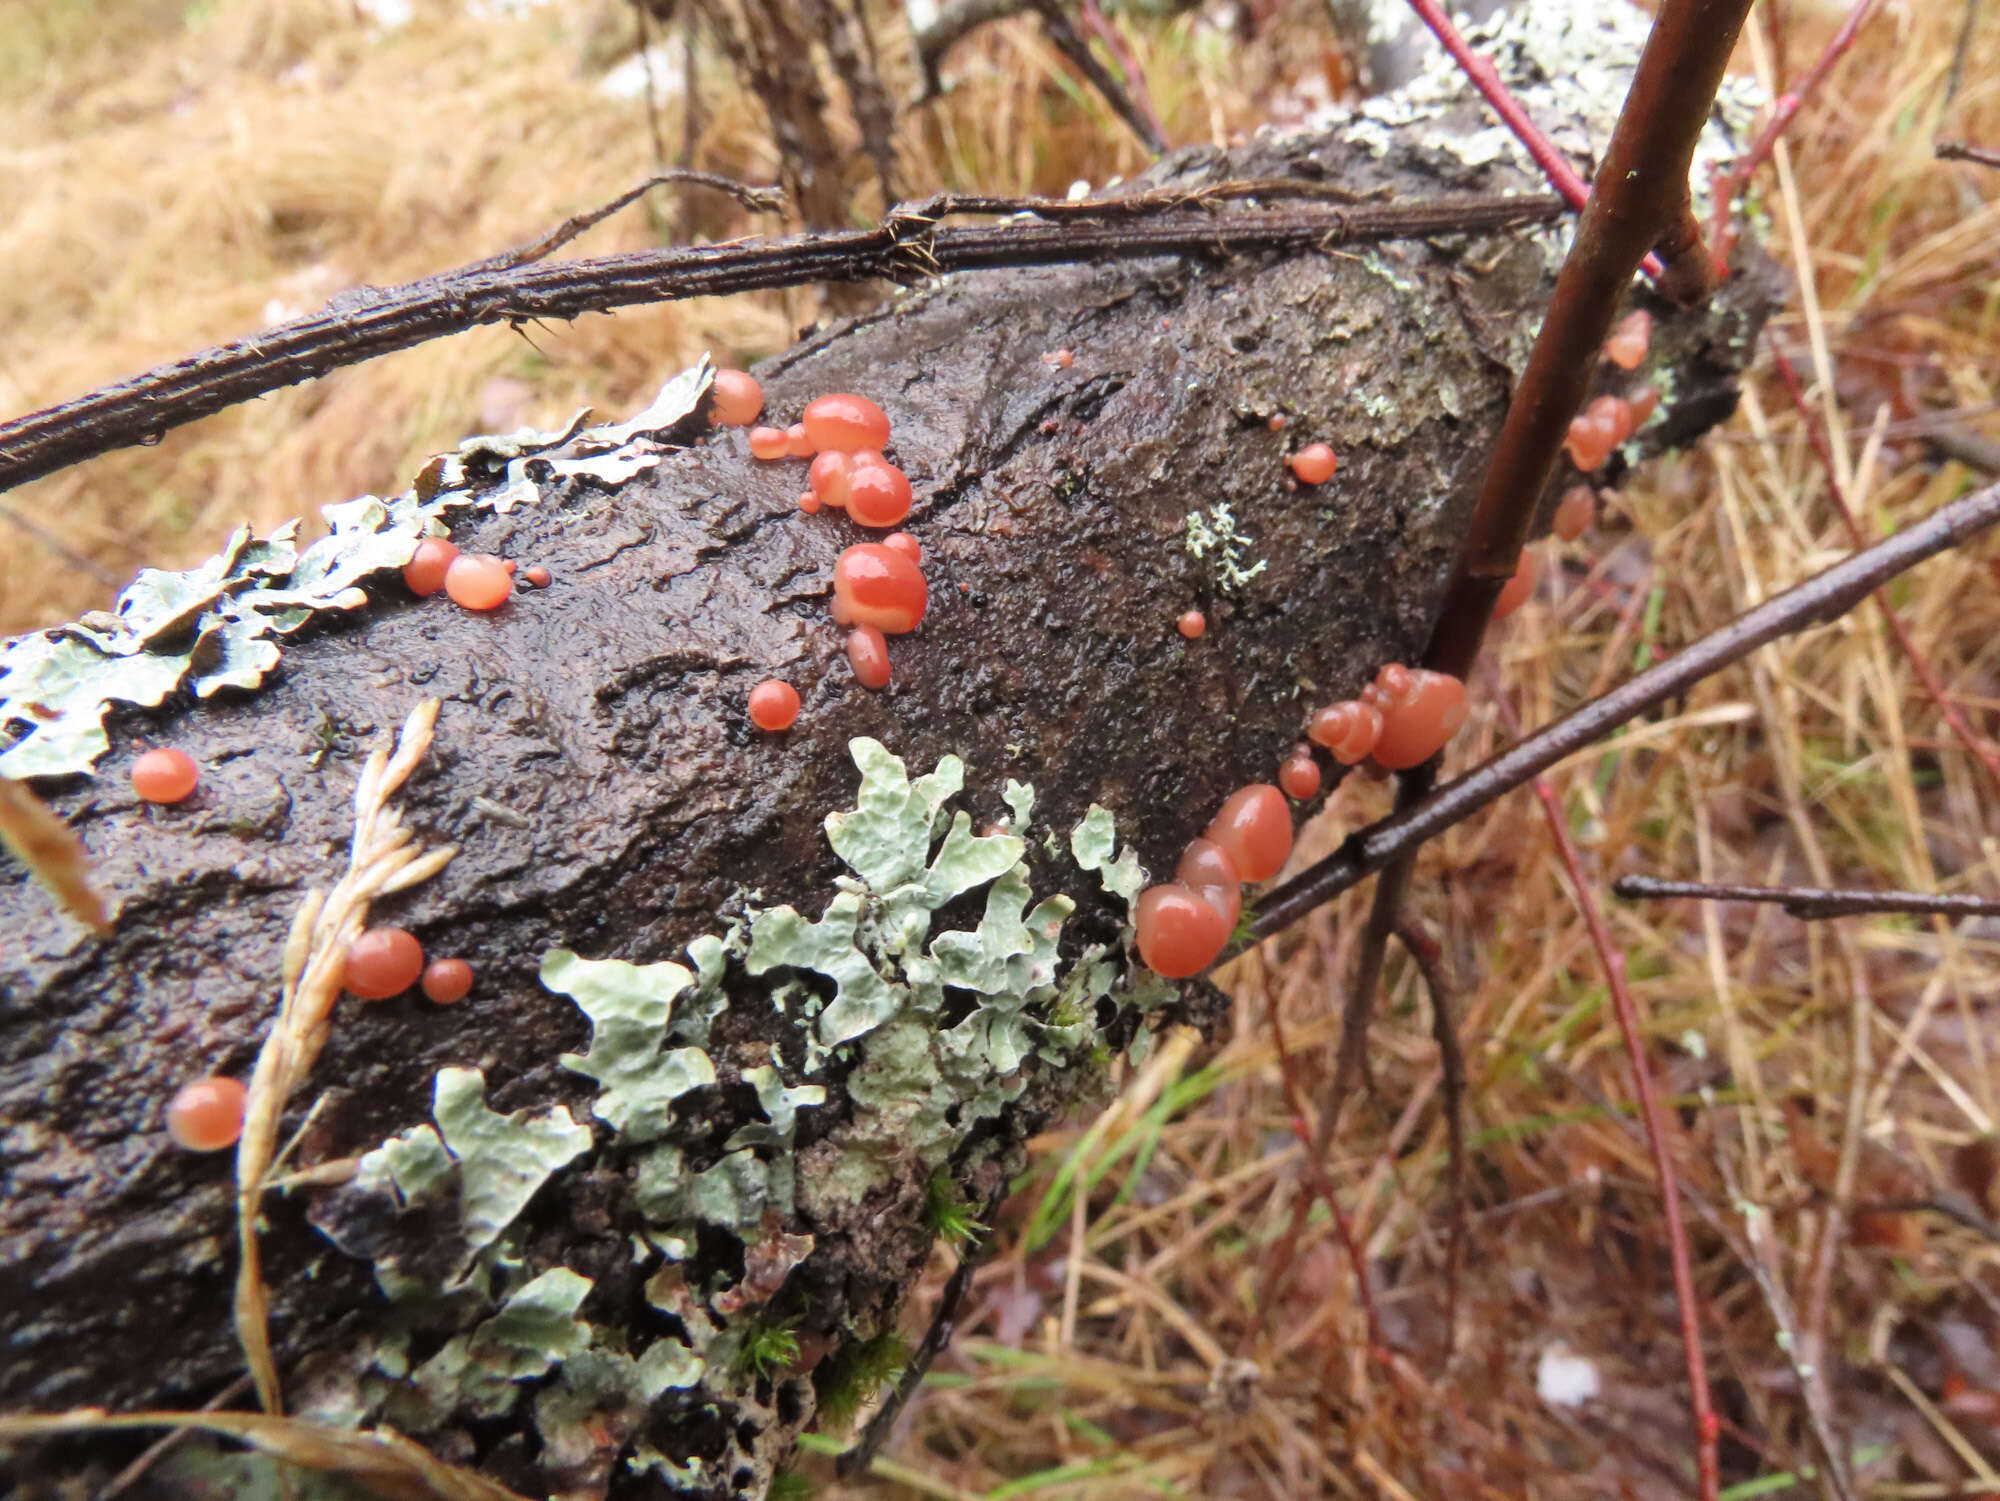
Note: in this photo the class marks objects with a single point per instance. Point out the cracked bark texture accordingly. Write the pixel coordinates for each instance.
(594, 761)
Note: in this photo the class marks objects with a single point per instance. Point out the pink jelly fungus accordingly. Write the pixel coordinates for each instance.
(1314, 464)
(774, 705)
(1179, 933)
(1298, 775)
(1574, 512)
(735, 398)
(907, 545)
(425, 571)
(1191, 624)
(868, 655)
(847, 422)
(878, 494)
(768, 443)
(1254, 829)
(383, 962)
(207, 1115)
(876, 585)
(1626, 348)
(165, 775)
(1208, 872)
(1518, 588)
(1420, 723)
(830, 475)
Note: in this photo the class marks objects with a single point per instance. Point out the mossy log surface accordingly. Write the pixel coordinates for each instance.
(594, 762)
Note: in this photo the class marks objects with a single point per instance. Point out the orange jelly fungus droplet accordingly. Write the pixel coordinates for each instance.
(383, 962)
(809, 502)
(876, 585)
(735, 398)
(1519, 587)
(878, 494)
(1614, 415)
(538, 576)
(1422, 721)
(1349, 730)
(1314, 464)
(774, 705)
(1645, 401)
(165, 775)
(1626, 348)
(1298, 775)
(1060, 359)
(868, 655)
(831, 473)
(1180, 934)
(1277, 422)
(1392, 681)
(799, 443)
(1191, 624)
(907, 545)
(476, 582)
(425, 571)
(1208, 872)
(847, 422)
(1574, 512)
(1254, 829)
(207, 1115)
(449, 981)
(768, 443)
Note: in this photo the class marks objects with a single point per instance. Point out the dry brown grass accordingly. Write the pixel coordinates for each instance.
(173, 174)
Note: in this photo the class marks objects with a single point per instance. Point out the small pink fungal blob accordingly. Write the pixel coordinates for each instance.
(1276, 422)
(449, 981)
(798, 444)
(1298, 774)
(1208, 872)
(1348, 730)
(1314, 464)
(425, 571)
(1419, 722)
(774, 705)
(1645, 401)
(846, 422)
(877, 585)
(878, 493)
(831, 473)
(1626, 348)
(207, 1115)
(165, 775)
(907, 545)
(1518, 588)
(768, 443)
(868, 655)
(1593, 433)
(735, 398)
(477, 582)
(1060, 359)
(809, 502)
(1191, 624)
(538, 576)
(383, 962)
(1179, 933)
(1254, 829)
(1574, 512)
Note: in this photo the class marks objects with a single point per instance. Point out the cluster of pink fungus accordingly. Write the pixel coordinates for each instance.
(471, 580)
(385, 962)
(1186, 922)
(1401, 719)
(1574, 512)
(1609, 420)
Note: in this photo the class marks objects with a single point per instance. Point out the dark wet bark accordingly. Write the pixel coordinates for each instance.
(594, 761)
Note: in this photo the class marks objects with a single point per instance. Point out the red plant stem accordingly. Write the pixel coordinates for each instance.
(1708, 1466)
(1982, 750)
(1101, 26)
(1486, 78)
(1729, 182)
(1315, 1160)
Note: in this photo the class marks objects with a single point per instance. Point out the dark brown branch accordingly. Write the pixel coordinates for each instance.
(1073, 46)
(907, 246)
(1428, 956)
(1812, 902)
(1821, 598)
(1965, 151)
(954, 23)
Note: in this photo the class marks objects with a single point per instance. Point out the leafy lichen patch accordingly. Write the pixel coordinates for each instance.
(630, 1007)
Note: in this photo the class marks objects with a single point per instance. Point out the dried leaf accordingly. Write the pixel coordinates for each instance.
(50, 848)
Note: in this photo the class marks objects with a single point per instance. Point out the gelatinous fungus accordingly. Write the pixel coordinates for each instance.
(383, 962)
(477, 582)
(831, 472)
(907, 545)
(538, 576)
(1348, 730)
(1208, 872)
(1276, 422)
(1418, 722)
(207, 1115)
(768, 443)
(1191, 623)
(1314, 464)
(809, 502)
(1298, 774)
(847, 422)
(1254, 829)
(449, 981)
(877, 585)
(1626, 348)
(774, 705)
(1645, 401)
(165, 775)
(1574, 512)
(425, 571)
(868, 655)
(1518, 588)
(799, 443)
(735, 398)
(1060, 359)
(1179, 933)
(878, 493)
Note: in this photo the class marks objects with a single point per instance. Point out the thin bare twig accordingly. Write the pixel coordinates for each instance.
(1823, 597)
(1428, 955)
(1071, 45)
(1812, 903)
(1965, 151)
(1706, 1426)
(907, 246)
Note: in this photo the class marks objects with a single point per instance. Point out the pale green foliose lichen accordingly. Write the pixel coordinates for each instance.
(630, 1007)
(1092, 841)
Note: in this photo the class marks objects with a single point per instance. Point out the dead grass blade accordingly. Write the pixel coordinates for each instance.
(50, 848)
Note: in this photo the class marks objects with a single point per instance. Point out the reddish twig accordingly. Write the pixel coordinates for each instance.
(1981, 750)
(1706, 1426)
(1728, 183)
(1101, 26)
(1486, 78)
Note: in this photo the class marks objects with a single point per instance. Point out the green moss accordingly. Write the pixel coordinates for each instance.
(769, 1347)
(848, 1381)
(946, 1212)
